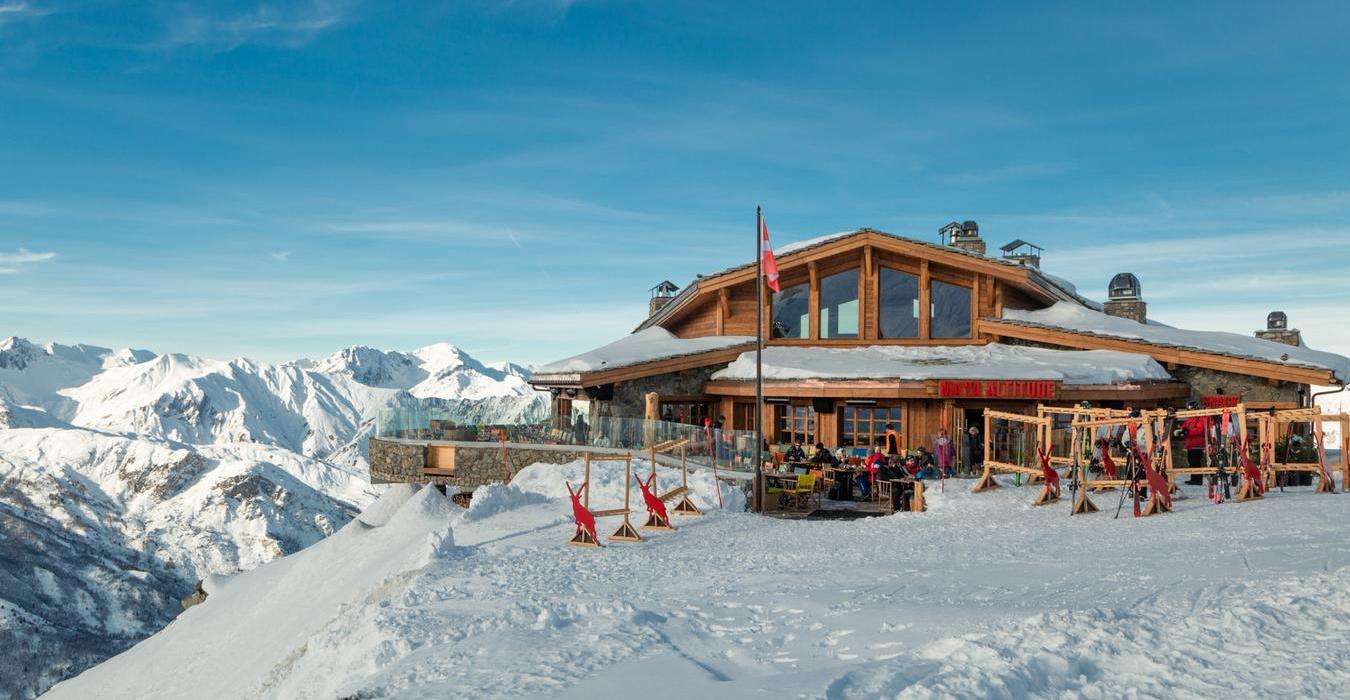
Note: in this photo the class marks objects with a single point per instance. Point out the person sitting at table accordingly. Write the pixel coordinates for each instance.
(874, 465)
(823, 456)
(864, 481)
(795, 453)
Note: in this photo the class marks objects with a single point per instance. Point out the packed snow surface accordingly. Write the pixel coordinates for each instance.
(1073, 317)
(993, 361)
(646, 345)
(982, 596)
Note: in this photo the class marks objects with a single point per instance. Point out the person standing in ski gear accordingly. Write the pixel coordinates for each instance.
(945, 452)
(974, 449)
(1194, 429)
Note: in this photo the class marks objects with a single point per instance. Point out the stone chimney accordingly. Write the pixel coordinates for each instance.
(1123, 298)
(661, 295)
(965, 236)
(1278, 330)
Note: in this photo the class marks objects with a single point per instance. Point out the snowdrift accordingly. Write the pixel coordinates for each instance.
(275, 613)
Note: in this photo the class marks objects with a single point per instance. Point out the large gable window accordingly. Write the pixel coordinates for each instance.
(792, 312)
(899, 304)
(839, 305)
(951, 310)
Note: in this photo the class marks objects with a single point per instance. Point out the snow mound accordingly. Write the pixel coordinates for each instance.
(285, 609)
(389, 502)
(498, 498)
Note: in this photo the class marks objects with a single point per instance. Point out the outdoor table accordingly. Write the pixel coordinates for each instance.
(843, 479)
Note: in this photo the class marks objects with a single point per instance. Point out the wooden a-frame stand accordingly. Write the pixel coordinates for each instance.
(1269, 428)
(1034, 474)
(685, 506)
(626, 531)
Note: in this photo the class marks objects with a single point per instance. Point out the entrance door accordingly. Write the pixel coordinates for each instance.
(965, 418)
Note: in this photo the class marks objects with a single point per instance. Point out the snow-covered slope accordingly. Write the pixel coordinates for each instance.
(414, 601)
(126, 476)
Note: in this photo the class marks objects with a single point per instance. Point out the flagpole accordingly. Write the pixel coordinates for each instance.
(759, 358)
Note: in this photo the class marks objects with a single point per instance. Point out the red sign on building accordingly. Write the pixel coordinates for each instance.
(1220, 401)
(996, 389)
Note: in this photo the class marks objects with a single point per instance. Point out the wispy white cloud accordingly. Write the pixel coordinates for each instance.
(280, 255)
(288, 25)
(16, 11)
(11, 263)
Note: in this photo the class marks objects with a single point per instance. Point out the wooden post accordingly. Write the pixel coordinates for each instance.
(813, 301)
(652, 414)
(626, 531)
(586, 460)
(918, 505)
(986, 481)
(686, 506)
(925, 301)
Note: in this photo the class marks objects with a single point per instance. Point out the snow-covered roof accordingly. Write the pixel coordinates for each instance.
(1077, 319)
(646, 345)
(911, 362)
(1057, 286)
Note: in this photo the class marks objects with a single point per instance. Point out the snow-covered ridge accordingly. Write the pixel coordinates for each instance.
(127, 475)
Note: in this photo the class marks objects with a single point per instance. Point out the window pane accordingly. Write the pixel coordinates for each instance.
(951, 311)
(839, 305)
(791, 311)
(899, 304)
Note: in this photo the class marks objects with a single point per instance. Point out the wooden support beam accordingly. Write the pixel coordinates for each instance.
(864, 266)
(814, 300)
(925, 301)
(723, 310)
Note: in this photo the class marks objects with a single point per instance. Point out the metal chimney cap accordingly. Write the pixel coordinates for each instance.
(1277, 321)
(1124, 286)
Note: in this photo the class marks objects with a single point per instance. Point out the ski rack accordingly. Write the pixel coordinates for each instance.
(1160, 500)
(1239, 411)
(1272, 423)
(992, 464)
(1075, 443)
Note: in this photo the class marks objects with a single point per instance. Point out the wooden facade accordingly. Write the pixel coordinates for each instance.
(724, 304)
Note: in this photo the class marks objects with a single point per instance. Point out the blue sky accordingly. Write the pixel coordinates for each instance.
(281, 180)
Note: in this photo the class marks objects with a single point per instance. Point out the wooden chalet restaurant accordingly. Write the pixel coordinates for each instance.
(872, 328)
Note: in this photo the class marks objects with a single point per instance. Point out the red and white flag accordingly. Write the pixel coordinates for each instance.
(770, 265)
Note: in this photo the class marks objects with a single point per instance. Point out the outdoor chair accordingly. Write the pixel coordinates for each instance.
(882, 489)
(805, 491)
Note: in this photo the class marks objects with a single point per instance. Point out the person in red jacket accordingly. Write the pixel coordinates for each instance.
(1195, 428)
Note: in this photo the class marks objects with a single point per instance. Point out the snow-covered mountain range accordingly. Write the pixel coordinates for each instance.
(126, 476)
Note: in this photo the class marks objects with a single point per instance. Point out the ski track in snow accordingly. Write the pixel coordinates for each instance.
(983, 596)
